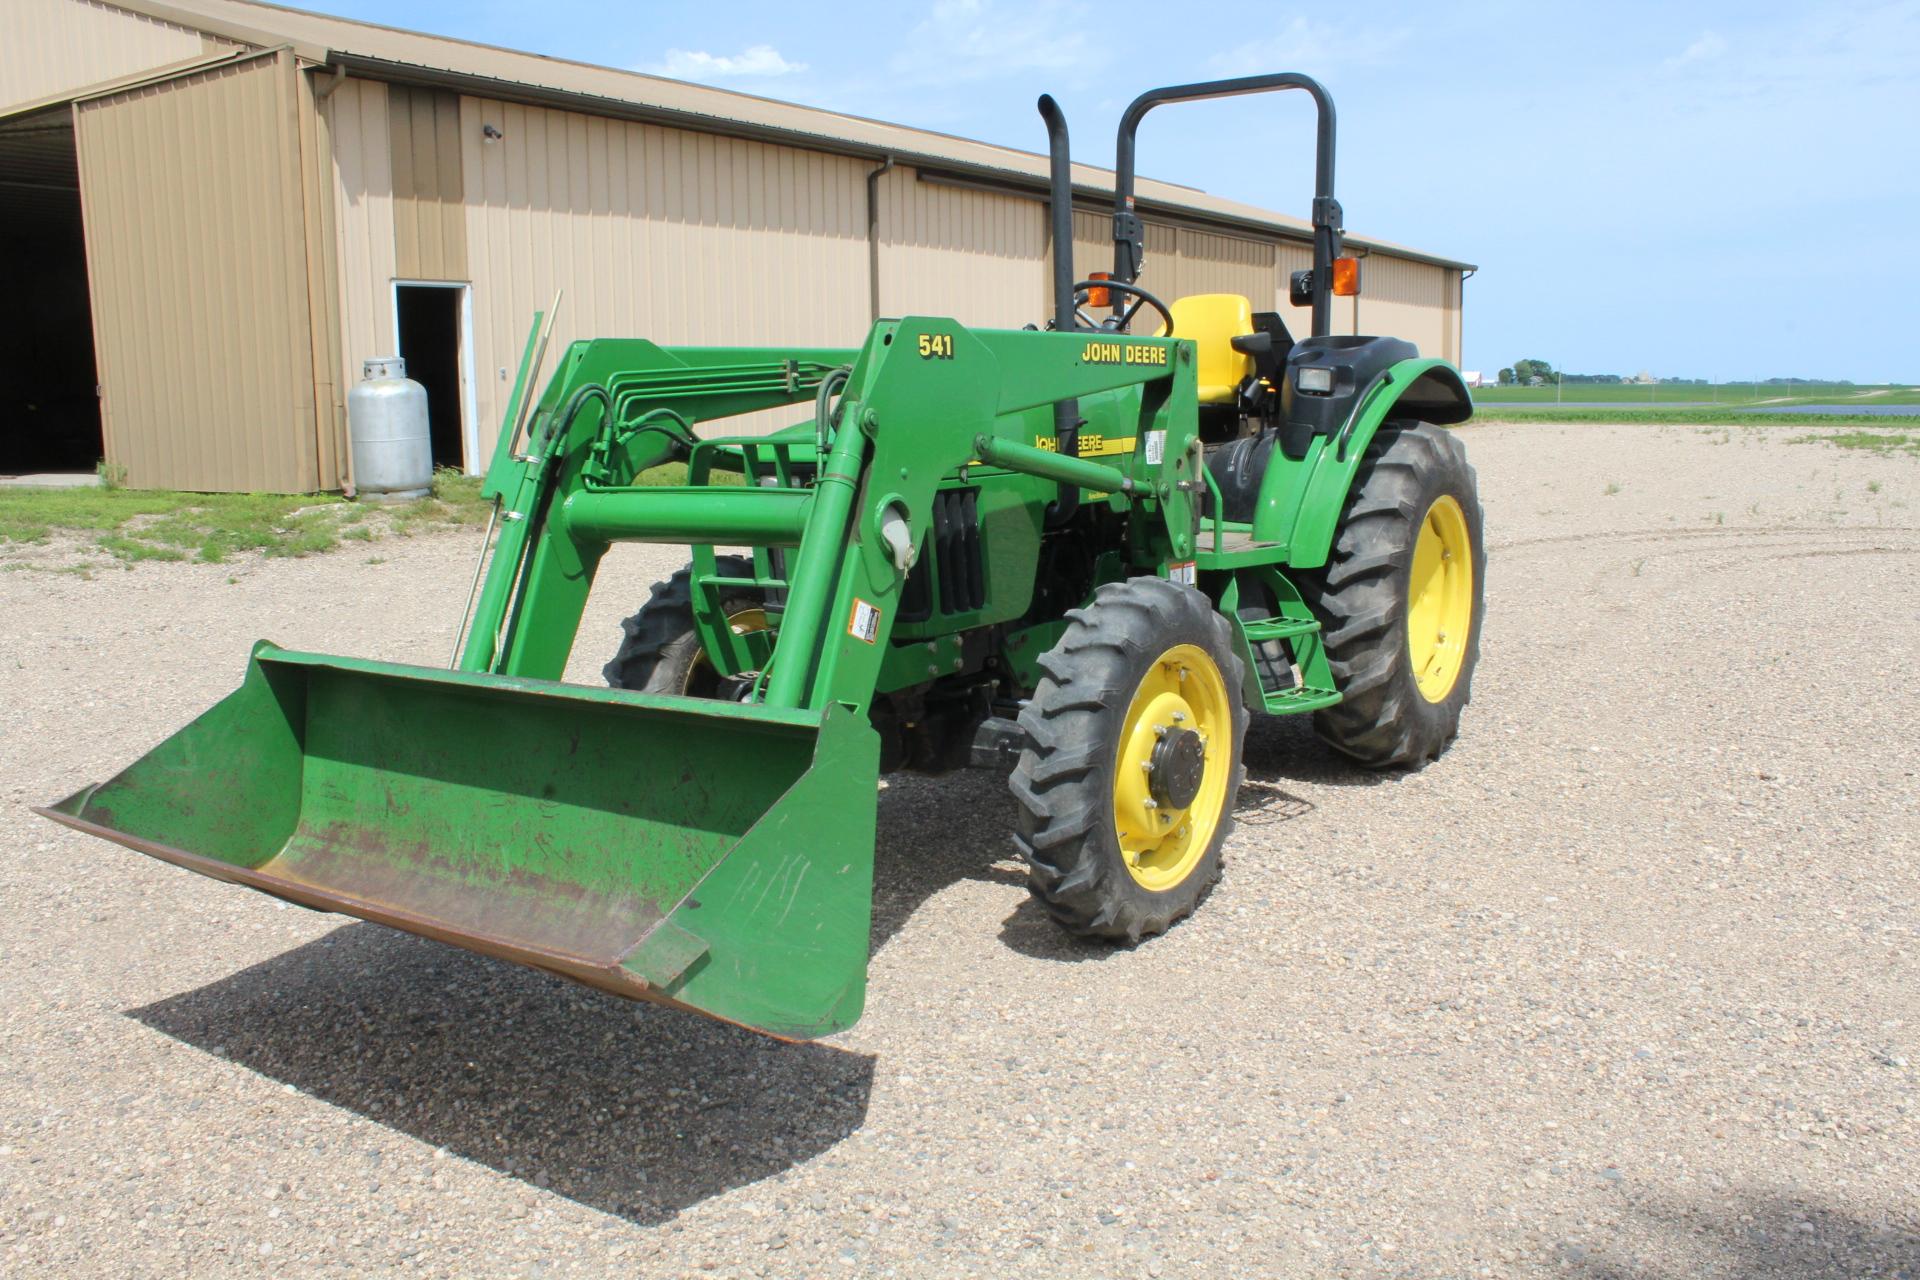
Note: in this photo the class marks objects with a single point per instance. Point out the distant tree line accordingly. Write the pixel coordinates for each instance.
(1538, 373)
(1531, 373)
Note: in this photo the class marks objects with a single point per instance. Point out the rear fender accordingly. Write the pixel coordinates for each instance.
(1423, 389)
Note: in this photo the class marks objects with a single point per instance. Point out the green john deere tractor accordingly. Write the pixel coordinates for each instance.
(1083, 551)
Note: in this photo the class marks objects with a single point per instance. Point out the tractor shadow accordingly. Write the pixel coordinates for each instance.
(633, 1110)
(630, 1109)
(1759, 1235)
(1284, 749)
(935, 832)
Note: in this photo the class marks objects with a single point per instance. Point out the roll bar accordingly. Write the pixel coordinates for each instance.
(1129, 239)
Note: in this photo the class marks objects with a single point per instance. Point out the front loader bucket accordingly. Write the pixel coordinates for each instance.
(709, 855)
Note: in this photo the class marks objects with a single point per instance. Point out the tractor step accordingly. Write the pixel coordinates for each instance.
(1292, 679)
(1261, 630)
(1282, 702)
(1284, 688)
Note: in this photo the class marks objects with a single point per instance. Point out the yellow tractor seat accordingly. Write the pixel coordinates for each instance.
(1213, 321)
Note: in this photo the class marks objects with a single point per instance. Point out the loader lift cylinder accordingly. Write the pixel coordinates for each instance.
(817, 566)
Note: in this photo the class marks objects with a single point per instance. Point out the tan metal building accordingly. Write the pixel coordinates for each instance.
(211, 211)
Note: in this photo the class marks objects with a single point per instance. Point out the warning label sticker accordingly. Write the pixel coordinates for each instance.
(1183, 572)
(1156, 447)
(864, 624)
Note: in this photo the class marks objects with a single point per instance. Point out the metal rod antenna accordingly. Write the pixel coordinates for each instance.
(513, 442)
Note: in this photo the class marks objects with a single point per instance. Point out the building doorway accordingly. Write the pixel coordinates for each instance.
(49, 386)
(433, 334)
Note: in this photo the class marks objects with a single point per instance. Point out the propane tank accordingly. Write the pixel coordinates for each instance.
(387, 420)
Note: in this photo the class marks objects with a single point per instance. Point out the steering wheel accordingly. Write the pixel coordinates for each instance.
(1119, 323)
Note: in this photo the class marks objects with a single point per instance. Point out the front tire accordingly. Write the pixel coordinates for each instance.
(660, 650)
(1133, 759)
(1401, 598)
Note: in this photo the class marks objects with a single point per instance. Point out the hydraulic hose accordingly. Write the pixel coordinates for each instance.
(561, 423)
(823, 411)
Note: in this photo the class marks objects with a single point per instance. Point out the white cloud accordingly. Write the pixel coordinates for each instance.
(1710, 45)
(760, 61)
(966, 40)
(1315, 48)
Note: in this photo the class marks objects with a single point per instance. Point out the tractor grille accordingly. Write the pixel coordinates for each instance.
(956, 541)
(949, 569)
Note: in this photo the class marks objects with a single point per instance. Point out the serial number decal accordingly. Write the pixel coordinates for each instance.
(1091, 446)
(1123, 353)
(936, 346)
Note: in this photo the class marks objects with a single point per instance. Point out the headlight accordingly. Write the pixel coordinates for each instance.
(1313, 381)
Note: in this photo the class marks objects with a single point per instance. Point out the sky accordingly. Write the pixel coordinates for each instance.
(1721, 190)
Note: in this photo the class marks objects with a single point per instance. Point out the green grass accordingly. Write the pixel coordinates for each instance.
(1872, 441)
(675, 473)
(1484, 412)
(136, 525)
(455, 500)
(1731, 395)
(159, 525)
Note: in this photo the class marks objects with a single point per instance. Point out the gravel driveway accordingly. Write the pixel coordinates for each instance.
(1626, 985)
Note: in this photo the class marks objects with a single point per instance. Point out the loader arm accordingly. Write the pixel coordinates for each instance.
(615, 837)
(925, 399)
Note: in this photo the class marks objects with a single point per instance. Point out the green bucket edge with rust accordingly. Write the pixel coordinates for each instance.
(709, 855)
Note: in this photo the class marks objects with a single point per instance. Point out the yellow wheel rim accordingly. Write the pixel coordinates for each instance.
(1182, 692)
(740, 623)
(1440, 599)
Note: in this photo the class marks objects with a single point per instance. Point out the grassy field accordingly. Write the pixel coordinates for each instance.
(132, 525)
(1729, 395)
(1704, 417)
(1907, 441)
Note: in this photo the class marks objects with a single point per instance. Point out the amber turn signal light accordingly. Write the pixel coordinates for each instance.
(1100, 297)
(1346, 277)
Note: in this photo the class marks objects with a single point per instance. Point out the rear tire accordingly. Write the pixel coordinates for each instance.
(660, 651)
(1401, 709)
(1145, 675)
